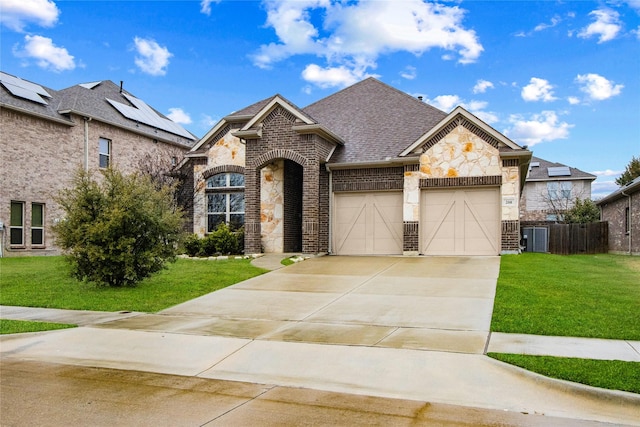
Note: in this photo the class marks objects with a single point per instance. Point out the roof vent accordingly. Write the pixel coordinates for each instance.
(420, 98)
(535, 164)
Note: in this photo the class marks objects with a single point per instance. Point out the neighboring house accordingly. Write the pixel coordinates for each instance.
(367, 170)
(621, 209)
(47, 135)
(550, 190)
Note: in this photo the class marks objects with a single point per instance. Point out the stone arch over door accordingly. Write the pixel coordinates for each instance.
(299, 204)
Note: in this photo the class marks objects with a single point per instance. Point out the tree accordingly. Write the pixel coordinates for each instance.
(163, 173)
(583, 212)
(630, 173)
(118, 229)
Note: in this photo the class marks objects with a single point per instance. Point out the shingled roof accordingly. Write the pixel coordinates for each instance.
(90, 100)
(375, 120)
(539, 171)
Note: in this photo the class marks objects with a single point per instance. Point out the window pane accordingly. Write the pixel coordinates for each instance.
(213, 221)
(104, 161)
(16, 214)
(236, 180)
(16, 236)
(236, 201)
(217, 181)
(216, 203)
(37, 215)
(104, 146)
(37, 236)
(236, 221)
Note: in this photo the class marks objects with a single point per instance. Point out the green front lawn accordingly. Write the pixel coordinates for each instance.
(610, 374)
(19, 326)
(595, 296)
(45, 282)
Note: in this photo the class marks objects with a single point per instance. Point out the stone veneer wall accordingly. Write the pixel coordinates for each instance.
(463, 156)
(227, 150)
(272, 206)
(40, 157)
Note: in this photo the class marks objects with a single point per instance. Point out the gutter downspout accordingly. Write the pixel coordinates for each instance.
(86, 143)
(628, 196)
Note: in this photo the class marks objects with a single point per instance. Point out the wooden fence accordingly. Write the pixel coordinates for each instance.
(568, 239)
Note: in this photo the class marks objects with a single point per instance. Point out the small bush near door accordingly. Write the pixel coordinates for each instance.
(222, 241)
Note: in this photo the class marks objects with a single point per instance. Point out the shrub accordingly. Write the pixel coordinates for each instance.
(118, 230)
(223, 240)
(192, 245)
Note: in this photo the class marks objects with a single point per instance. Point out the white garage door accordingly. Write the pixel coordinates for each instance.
(367, 223)
(460, 222)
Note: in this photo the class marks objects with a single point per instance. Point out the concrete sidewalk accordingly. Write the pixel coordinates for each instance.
(407, 328)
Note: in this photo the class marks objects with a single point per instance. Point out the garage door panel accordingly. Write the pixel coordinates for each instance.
(368, 223)
(460, 222)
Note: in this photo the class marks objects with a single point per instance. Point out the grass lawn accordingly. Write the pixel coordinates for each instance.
(45, 282)
(595, 296)
(19, 326)
(610, 374)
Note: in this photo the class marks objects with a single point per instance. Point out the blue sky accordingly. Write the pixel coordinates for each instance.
(562, 77)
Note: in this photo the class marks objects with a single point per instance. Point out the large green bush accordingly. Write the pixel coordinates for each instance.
(118, 229)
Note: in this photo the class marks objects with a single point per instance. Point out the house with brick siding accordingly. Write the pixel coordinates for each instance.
(47, 135)
(621, 209)
(368, 170)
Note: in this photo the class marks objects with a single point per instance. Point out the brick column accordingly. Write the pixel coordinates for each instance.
(252, 228)
(310, 208)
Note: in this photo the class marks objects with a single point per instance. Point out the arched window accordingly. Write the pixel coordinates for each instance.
(225, 200)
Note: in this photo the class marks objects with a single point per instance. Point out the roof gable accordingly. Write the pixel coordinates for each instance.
(374, 119)
(460, 116)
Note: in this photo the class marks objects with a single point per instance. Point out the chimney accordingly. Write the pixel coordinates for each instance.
(121, 83)
(420, 98)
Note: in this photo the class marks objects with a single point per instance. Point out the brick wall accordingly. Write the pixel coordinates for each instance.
(368, 179)
(292, 207)
(40, 158)
(614, 213)
(510, 236)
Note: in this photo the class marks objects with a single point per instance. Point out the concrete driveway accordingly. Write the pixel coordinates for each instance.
(408, 328)
(440, 303)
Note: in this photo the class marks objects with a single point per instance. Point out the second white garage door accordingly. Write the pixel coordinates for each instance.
(461, 221)
(367, 223)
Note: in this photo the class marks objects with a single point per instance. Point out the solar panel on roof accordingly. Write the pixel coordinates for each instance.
(24, 89)
(89, 85)
(142, 113)
(559, 171)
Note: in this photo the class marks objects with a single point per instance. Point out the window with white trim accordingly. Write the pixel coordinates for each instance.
(37, 224)
(225, 200)
(104, 152)
(16, 224)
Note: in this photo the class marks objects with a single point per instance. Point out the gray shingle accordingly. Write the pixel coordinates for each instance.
(541, 172)
(375, 120)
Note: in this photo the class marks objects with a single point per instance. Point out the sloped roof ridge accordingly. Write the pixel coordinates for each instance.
(546, 164)
(253, 108)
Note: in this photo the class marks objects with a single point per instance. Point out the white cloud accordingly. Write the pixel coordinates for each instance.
(205, 6)
(607, 172)
(47, 55)
(178, 115)
(153, 59)
(538, 90)
(208, 121)
(409, 72)
(482, 86)
(445, 102)
(355, 34)
(598, 88)
(600, 189)
(333, 76)
(540, 128)
(16, 14)
(606, 26)
(573, 100)
(555, 20)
